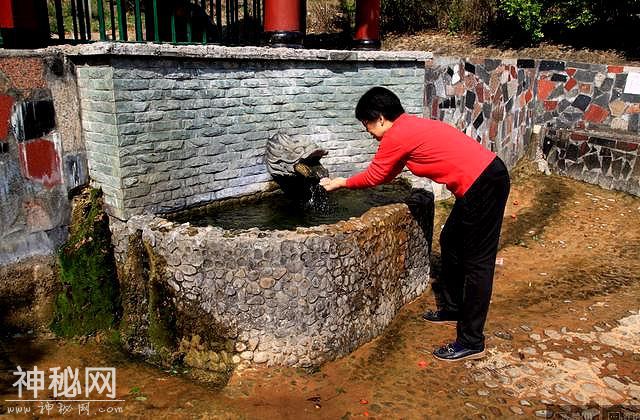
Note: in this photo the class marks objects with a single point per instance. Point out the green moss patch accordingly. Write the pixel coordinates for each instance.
(90, 295)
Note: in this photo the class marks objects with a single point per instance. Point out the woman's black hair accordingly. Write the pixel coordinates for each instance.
(378, 101)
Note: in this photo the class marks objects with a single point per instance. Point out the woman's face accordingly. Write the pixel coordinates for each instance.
(377, 128)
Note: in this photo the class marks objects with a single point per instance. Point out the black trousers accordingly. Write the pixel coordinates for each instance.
(469, 245)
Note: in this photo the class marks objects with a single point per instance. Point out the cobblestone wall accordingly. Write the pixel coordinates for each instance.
(281, 297)
(162, 134)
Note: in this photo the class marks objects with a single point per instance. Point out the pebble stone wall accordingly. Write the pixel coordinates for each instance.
(294, 298)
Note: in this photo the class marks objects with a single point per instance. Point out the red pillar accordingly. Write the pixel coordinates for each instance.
(367, 35)
(24, 23)
(283, 23)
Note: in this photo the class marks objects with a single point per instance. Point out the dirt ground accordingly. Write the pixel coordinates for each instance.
(563, 328)
(472, 45)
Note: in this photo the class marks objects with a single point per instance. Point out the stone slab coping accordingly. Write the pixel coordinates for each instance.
(219, 52)
(602, 133)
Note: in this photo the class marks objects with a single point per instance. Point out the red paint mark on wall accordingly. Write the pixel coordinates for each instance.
(6, 102)
(39, 162)
(626, 146)
(615, 69)
(528, 96)
(585, 88)
(579, 137)
(480, 92)
(493, 130)
(434, 109)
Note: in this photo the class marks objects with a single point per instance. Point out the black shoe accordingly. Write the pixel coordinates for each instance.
(440, 317)
(454, 352)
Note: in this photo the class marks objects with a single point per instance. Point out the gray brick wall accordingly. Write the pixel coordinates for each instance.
(163, 134)
(100, 127)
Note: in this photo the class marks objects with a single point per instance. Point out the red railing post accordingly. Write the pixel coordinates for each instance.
(282, 23)
(367, 34)
(24, 23)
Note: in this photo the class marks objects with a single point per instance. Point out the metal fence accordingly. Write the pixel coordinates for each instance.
(228, 22)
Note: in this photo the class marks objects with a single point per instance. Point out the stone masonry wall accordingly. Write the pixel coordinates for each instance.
(41, 160)
(606, 159)
(282, 297)
(490, 100)
(583, 96)
(162, 134)
(41, 157)
(591, 113)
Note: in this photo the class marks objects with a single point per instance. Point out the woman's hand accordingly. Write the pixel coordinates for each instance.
(330, 184)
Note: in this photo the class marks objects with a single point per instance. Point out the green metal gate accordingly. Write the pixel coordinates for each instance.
(227, 22)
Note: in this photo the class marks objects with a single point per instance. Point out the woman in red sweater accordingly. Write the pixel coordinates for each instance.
(469, 240)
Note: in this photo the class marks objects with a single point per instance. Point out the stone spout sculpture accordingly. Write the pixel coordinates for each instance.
(294, 163)
(287, 156)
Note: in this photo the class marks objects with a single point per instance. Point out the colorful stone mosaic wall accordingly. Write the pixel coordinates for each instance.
(591, 116)
(490, 100)
(588, 96)
(606, 159)
(497, 102)
(35, 173)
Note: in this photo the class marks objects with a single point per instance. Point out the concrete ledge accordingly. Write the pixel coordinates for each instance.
(216, 51)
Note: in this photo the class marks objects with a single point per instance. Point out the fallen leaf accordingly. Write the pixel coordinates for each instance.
(363, 401)
(422, 364)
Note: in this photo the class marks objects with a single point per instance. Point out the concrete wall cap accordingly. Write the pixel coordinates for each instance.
(221, 52)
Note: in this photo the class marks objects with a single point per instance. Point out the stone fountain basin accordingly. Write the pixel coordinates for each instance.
(296, 298)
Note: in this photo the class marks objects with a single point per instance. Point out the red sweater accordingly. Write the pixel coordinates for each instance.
(429, 148)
